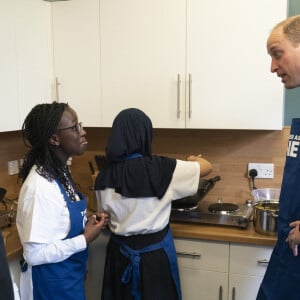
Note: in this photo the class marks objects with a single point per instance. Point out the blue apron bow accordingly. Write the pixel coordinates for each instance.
(132, 271)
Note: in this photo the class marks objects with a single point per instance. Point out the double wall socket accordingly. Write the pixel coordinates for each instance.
(263, 170)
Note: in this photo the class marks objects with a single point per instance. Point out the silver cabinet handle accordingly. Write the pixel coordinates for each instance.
(57, 83)
(190, 95)
(220, 292)
(178, 95)
(192, 254)
(233, 293)
(263, 261)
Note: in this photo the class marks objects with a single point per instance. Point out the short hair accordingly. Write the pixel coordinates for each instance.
(291, 29)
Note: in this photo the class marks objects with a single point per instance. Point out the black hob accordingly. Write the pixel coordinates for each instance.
(217, 213)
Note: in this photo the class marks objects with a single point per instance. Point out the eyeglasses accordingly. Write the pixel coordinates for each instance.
(77, 127)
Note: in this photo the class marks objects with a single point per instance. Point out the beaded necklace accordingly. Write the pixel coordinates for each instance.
(68, 185)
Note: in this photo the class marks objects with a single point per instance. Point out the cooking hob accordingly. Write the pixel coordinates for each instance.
(217, 213)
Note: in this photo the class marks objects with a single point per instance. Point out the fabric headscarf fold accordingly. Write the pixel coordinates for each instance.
(132, 169)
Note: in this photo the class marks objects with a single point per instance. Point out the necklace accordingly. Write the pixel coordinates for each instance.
(68, 186)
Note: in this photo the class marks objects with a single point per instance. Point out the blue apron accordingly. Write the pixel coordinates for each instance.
(64, 280)
(132, 272)
(282, 278)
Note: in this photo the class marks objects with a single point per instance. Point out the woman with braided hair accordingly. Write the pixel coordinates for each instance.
(51, 216)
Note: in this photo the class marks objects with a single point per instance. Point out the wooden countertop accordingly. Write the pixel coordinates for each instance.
(180, 230)
(11, 241)
(222, 233)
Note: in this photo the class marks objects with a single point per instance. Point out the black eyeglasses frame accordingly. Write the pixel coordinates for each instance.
(77, 127)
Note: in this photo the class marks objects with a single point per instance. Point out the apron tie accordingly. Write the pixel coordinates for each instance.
(132, 271)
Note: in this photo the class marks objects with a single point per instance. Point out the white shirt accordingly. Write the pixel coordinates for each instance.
(131, 216)
(43, 221)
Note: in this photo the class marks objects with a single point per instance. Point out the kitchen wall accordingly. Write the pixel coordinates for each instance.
(228, 150)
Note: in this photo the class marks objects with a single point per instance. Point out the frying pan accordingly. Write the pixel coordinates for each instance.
(205, 185)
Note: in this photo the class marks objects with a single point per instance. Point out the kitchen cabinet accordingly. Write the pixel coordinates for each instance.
(220, 270)
(76, 48)
(8, 74)
(247, 266)
(190, 63)
(203, 268)
(25, 59)
(95, 266)
(142, 54)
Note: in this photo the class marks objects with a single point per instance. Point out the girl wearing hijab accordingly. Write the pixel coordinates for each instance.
(51, 216)
(136, 188)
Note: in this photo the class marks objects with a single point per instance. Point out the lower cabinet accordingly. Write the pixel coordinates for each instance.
(95, 266)
(203, 268)
(220, 270)
(247, 266)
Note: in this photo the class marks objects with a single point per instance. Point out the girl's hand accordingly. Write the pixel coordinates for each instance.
(294, 237)
(205, 166)
(94, 225)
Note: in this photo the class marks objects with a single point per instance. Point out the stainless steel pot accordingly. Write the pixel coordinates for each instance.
(265, 215)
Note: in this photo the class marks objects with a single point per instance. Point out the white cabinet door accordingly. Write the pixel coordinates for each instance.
(76, 46)
(142, 51)
(232, 86)
(10, 118)
(24, 58)
(203, 268)
(33, 54)
(247, 267)
(243, 287)
(199, 284)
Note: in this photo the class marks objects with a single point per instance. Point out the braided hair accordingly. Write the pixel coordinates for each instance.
(39, 126)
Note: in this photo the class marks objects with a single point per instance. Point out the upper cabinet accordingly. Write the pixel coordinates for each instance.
(26, 68)
(142, 58)
(191, 64)
(76, 45)
(231, 83)
(186, 63)
(10, 120)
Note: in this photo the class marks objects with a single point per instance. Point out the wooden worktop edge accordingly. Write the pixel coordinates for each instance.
(222, 234)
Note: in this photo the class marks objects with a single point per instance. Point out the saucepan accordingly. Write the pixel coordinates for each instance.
(266, 210)
(205, 185)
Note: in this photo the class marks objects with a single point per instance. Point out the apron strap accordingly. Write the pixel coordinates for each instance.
(132, 271)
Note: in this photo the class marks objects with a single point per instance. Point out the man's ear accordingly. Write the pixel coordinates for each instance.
(54, 140)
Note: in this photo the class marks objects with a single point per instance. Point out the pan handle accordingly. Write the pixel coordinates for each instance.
(211, 182)
(215, 179)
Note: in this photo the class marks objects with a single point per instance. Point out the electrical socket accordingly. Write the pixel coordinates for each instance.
(13, 167)
(264, 170)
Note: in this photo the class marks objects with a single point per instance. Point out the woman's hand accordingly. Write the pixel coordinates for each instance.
(205, 166)
(94, 225)
(294, 237)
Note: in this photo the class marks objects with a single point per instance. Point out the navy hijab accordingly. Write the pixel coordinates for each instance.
(132, 169)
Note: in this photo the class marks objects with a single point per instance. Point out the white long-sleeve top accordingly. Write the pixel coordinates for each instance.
(131, 216)
(43, 221)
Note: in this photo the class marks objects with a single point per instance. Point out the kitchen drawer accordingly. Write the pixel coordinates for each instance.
(249, 259)
(204, 255)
